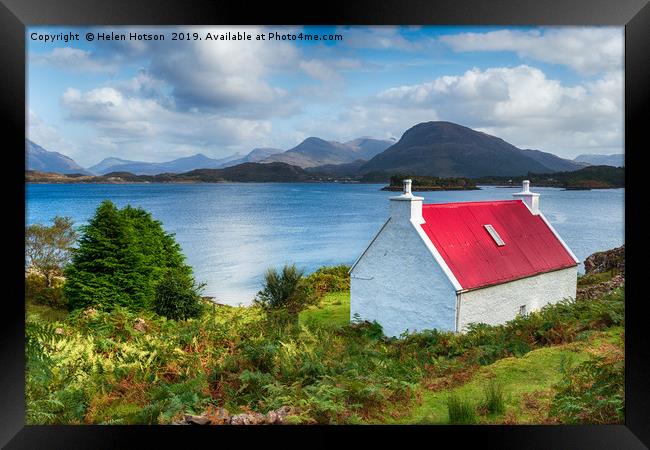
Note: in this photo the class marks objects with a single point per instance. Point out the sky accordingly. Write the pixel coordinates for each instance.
(556, 89)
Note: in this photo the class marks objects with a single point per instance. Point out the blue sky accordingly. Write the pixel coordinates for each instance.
(555, 89)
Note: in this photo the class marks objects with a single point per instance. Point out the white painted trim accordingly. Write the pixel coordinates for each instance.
(434, 251)
(368, 246)
(548, 224)
(456, 325)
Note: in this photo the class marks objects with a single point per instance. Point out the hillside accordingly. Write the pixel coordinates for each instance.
(198, 161)
(446, 149)
(591, 177)
(615, 160)
(246, 172)
(255, 155)
(553, 162)
(44, 160)
(561, 365)
(313, 152)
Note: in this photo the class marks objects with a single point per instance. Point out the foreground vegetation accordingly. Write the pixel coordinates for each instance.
(121, 367)
(117, 333)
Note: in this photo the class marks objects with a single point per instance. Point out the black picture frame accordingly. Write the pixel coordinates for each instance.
(15, 15)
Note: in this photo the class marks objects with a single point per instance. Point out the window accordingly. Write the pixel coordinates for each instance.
(490, 229)
(522, 310)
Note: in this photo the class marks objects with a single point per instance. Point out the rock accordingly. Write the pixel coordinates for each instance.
(278, 417)
(252, 418)
(273, 418)
(196, 420)
(599, 262)
(140, 325)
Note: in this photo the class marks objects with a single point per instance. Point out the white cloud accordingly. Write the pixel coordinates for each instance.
(41, 133)
(134, 121)
(523, 106)
(73, 59)
(586, 50)
(379, 37)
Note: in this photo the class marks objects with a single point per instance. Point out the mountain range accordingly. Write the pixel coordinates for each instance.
(46, 161)
(439, 148)
(314, 152)
(615, 160)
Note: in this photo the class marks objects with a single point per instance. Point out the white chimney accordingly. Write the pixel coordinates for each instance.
(406, 207)
(531, 199)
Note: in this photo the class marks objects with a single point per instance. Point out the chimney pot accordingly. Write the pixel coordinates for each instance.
(407, 187)
(406, 207)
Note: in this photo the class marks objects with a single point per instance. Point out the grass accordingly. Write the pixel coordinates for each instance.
(333, 311)
(493, 401)
(460, 410)
(527, 383)
(595, 278)
(44, 312)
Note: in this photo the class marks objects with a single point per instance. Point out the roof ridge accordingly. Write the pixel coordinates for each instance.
(484, 202)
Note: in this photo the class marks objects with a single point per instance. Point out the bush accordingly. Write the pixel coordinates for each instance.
(460, 410)
(177, 297)
(37, 291)
(330, 279)
(285, 293)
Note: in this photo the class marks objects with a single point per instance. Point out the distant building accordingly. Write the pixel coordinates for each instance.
(447, 265)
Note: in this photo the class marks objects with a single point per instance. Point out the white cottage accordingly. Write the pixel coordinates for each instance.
(447, 265)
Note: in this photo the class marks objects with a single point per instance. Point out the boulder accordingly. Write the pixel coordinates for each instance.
(196, 420)
(251, 418)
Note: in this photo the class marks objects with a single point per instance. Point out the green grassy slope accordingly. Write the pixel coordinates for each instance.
(526, 382)
(333, 311)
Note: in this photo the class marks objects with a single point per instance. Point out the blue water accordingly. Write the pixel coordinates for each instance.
(231, 233)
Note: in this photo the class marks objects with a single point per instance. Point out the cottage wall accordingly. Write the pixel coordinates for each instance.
(500, 303)
(397, 283)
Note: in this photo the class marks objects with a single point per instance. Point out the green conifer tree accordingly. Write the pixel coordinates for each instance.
(121, 257)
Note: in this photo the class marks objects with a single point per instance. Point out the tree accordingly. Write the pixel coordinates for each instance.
(177, 296)
(122, 255)
(49, 249)
(285, 293)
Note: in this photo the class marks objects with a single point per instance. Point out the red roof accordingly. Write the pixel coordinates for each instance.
(457, 231)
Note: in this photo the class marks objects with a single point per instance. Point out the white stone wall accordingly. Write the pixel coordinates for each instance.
(500, 303)
(398, 283)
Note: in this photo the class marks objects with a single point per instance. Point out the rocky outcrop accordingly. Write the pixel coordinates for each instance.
(599, 262)
(221, 416)
(612, 261)
(600, 289)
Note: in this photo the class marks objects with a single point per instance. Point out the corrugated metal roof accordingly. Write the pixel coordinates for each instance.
(458, 232)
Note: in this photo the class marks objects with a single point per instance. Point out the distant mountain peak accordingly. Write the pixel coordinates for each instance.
(447, 149)
(44, 160)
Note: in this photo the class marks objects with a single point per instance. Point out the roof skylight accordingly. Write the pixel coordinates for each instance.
(495, 235)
